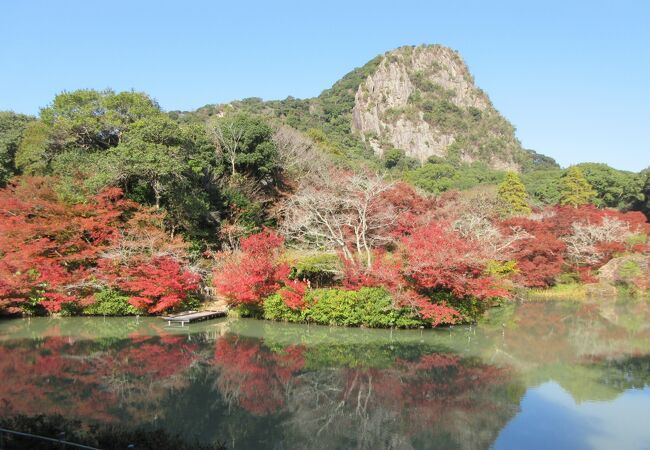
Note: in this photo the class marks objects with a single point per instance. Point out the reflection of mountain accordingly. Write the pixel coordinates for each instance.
(617, 424)
(273, 385)
(595, 351)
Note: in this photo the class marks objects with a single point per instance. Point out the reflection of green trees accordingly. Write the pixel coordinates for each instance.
(588, 348)
(600, 380)
(628, 373)
(269, 384)
(370, 355)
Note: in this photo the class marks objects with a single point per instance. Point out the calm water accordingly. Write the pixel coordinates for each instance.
(532, 376)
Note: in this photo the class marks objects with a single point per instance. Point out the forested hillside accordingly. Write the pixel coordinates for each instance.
(297, 210)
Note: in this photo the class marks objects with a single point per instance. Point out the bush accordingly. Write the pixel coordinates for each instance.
(336, 307)
(370, 307)
(111, 302)
(377, 310)
(247, 310)
(320, 269)
(471, 308)
(275, 309)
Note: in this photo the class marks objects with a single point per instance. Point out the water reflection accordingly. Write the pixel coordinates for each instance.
(526, 370)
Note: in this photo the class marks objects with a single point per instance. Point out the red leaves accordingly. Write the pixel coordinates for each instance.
(46, 246)
(578, 239)
(257, 378)
(438, 259)
(54, 301)
(431, 263)
(254, 273)
(266, 243)
(157, 285)
(539, 260)
(49, 250)
(407, 204)
(293, 293)
(437, 313)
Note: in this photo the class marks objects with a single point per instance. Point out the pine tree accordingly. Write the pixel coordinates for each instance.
(575, 190)
(513, 196)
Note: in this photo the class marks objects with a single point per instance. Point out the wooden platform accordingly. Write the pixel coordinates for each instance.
(194, 316)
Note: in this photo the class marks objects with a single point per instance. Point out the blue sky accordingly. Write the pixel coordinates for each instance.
(571, 76)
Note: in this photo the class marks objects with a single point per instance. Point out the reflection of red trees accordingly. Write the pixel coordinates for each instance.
(255, 378)
(81, 380)
(433, 388)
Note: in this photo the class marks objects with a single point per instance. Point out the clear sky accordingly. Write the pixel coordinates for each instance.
(572, 76)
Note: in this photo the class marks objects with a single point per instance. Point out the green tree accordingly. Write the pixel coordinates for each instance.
(392, 157)
(155, 152)
(245, 146)
(544, 185)
(32, 156)
(475, 174)
(434, 178)
(94, 120)
(12, 127)
(614, 188)
(575, 190)
(513, 196)
(644, 204)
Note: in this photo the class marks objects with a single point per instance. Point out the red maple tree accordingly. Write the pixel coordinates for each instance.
(247, 276)
(47, 246)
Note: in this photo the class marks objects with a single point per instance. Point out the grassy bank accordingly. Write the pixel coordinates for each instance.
(570, 292)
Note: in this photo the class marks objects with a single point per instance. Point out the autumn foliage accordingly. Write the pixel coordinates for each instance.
(54, 253)
(48, 247)
(249, 275)
(442, 260)
(156, 285)
(539, 259)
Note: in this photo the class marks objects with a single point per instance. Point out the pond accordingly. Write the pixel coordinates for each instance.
(534, 375)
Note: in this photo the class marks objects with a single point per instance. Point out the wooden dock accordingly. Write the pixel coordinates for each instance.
(194, 316)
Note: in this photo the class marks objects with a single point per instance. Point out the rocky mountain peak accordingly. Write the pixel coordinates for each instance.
(423, 101)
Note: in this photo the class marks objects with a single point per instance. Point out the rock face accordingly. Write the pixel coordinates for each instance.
(423, 101)
(624, 269)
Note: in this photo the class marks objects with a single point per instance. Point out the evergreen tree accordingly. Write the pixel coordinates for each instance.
(513, 196)
(575, 190)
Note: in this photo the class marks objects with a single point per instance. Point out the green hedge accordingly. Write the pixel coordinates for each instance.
(370, 307)
(110, 302)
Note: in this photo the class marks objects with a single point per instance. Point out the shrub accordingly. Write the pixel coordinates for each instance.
(111, 302)
(320, 269)
(274, 308)
(371, 307)
(336, 307)
(377, 310)
(254, 273)
(247, 310)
